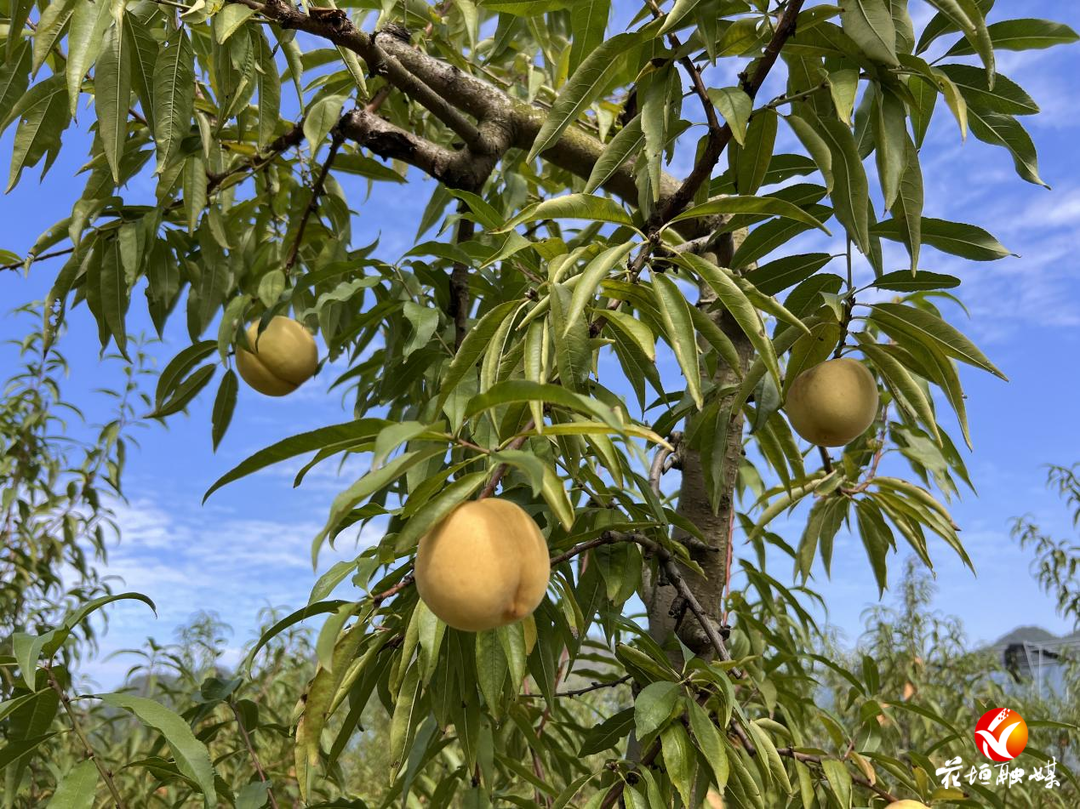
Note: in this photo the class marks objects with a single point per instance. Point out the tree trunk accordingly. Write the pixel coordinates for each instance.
(667, 616)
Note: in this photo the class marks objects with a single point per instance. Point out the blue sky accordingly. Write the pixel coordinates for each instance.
(248, 547)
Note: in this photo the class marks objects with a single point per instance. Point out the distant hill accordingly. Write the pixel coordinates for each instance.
(1026, 634)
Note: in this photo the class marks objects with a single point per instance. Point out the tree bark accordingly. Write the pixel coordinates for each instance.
(668, 617)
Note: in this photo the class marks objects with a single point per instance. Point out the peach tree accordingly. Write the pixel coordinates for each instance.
(577, 319)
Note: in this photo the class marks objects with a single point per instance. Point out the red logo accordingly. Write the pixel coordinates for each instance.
(1001, 734)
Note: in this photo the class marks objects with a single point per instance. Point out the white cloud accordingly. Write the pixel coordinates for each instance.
(211, 560)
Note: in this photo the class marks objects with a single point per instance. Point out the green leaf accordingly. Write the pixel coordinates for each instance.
(525, 8)
(112, 97)
(30, 648)
(587, 84)
(709, 742)
(870, 24)
(889, 125)
(908, 207)
(229, 19)
(114, 292)
(679, 760)
(374, 481)
(679, 330)
(967, 17)
(851, 191)
(322, 116)
(608, 734)
(595, 272)
(572, 206)
(179, 367)
(1004, 95)
(338, 435)
(932, 330)
(191, 756)
(653, 706)
(142, 51)
(302, 614)
(78, 788)
(85, 36)
(174, 96)
(966, 241)
(924, 92)
(754, 158)
(588, 22)
(269, 86)
(439, 507)
(903, 281)
(735, 106)
(558, 500)
(44, 116)
(252, 795)
(573, 352)
(20, 748)
(674, 19)
(844, 86)
(776, 276)
(815, 145)
(839, 779)
(520, 390)
(1021, 35)
(1009, 133)
(49, 29)
(904, 386)
(770, 206)
(619, 150)
(224, 404)
(476, 342)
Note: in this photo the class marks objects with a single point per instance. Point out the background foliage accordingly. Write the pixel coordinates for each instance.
(523, 339)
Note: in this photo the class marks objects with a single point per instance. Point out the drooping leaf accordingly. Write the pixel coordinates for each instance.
(870, 24)
(112, 96)
(43, 116)
(174, 96)
(679, 329)
(86, 33)
(588, 21)
(735, 106)
(619, 150)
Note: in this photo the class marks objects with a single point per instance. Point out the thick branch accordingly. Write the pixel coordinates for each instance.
(457, 169)
(445, 90)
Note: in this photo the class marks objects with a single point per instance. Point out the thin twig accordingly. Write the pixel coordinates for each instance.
(718, 140)
(18, 264)
(254, 757)
(106, 775)
(660, 462)
(313, 203)
(808, 758)
(405, 582)
(596, 686)
(502, 468)
(616, 790)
